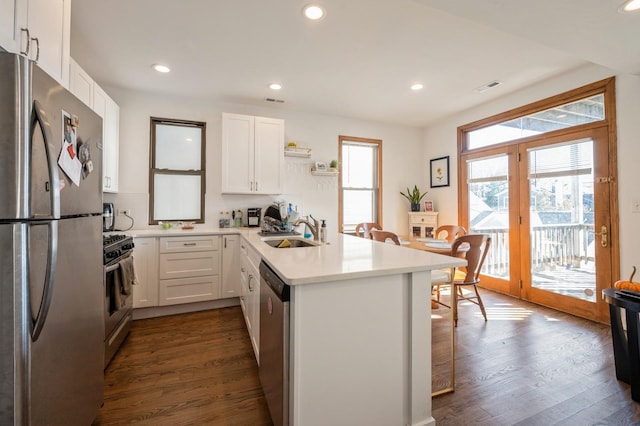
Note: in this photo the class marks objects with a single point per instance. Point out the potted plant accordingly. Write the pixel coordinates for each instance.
(414, 198)
(333, 166)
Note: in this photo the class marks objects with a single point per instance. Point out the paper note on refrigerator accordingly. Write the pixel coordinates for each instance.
(72, 167)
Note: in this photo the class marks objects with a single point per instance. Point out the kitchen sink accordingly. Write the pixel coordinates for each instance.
(277, 242)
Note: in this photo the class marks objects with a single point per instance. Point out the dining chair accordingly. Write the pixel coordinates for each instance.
(363, 230)
(473, 248)
(378, 235)
(451, 232)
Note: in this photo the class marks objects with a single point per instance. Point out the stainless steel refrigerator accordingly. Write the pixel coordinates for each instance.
(51, 289)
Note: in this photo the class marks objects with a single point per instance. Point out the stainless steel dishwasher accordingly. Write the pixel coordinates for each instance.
(274, 344)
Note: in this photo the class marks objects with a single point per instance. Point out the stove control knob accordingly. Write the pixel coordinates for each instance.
(113, 254)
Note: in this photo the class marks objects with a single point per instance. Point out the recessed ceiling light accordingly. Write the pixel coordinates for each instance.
(313, 11)
(417, 86)
(629, 6)
(161, 68)
(275, 86)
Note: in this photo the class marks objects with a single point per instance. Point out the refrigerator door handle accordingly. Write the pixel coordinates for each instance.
(47, 291)
(39, 118)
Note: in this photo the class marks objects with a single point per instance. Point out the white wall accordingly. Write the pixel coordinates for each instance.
(441, 139)
(402, 158)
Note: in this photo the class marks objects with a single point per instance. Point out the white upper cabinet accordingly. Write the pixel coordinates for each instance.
(106, 108)
(88, 91)
(13, 13)
(252, 154)
(80, 83)
(40, 29)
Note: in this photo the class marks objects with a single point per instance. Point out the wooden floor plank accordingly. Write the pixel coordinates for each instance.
(191, 369)
(527, 365)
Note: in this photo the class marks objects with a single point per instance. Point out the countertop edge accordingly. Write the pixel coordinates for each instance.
(330, 262)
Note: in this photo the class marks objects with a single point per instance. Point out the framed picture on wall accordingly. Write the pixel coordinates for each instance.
(320, 167)
(440, 172)
(428, 206)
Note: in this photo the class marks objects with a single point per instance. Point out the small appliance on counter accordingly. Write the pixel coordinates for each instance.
(275, 223)
(108, 217)
(253, 216)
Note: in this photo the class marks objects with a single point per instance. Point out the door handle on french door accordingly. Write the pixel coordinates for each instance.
(604, 240)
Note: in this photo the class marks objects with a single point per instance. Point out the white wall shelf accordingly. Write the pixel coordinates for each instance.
(326, 173)
(297, 152)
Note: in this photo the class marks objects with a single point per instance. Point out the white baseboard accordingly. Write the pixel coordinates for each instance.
(159, 311)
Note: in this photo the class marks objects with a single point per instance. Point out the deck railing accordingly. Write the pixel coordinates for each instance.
(554, 245)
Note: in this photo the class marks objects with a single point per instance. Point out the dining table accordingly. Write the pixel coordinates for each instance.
(433, 245)
(438, 246)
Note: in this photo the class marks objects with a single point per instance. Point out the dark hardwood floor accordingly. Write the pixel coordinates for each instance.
(190, 369)
(527, 365)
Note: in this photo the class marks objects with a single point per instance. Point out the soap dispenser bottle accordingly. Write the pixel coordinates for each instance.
(323, 231)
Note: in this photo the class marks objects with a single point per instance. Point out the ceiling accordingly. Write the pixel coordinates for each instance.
(359, 60)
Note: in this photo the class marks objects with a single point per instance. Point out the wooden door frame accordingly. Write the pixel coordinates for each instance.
(378, 143)
(509, 286)
(605, 87)
(565, 303)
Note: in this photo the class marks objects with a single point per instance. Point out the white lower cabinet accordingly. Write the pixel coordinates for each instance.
(145, 260)
(250, 294)
(189, 269)
(230, 266)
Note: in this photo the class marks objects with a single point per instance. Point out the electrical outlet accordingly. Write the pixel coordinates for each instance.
(635, 206)
(124, 212)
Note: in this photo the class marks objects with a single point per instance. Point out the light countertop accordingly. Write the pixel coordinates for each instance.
(344, 257)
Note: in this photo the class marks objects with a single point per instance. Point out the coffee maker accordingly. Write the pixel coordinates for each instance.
(253, 216)
(108, 217)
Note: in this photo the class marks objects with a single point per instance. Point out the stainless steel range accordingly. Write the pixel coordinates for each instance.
(118, 302)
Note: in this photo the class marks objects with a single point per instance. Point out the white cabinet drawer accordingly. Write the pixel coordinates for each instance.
(188, 290)
(189, 244)
(184, 265)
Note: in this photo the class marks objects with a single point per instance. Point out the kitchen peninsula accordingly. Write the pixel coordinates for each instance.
(360, 328)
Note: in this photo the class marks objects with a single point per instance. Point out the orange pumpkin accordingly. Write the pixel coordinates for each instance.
(628, 284)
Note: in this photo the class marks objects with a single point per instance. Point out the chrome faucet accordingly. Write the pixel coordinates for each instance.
(315, 228)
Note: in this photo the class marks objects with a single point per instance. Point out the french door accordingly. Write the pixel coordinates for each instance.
(546, 204)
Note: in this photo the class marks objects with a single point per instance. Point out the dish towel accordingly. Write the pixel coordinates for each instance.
(127, 278)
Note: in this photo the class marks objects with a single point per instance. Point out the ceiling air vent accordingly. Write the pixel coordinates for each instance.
(274, 100)
(488, 86)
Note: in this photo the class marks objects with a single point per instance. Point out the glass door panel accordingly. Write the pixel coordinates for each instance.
(561, 221)
(565, 206)
(488, 210)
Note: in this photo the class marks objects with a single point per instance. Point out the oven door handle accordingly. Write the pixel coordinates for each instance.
(112, 268)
